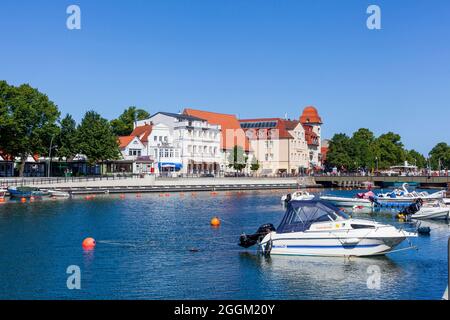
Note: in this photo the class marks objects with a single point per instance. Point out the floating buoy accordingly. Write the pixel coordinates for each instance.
(181, 194)
(138, 195)
(122, 196)
(88, 243)
(31, 199)
(2, 200)
(167, 194)
(215, 222)
(23, 200)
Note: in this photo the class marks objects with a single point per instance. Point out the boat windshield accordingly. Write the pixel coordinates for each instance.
(301, 214)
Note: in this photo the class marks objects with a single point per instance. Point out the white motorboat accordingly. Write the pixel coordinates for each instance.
(347, 202)
(446, 201)
(317, 228)
(404, 196)
(299, 195)
(433, 211)
(58, 194)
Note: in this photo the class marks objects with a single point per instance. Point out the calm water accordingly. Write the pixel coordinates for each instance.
(143, 253)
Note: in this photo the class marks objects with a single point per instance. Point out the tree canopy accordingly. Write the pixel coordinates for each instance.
(66, 141)
(27, 121)
(440, 155)
(124, 124)
(364, 150)
(96, 139)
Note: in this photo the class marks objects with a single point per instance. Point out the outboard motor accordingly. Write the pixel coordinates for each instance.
(288, 198)
(412, 208)
(246, 241)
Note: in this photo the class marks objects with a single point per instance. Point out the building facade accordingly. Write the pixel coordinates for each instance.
(194, 140)
(231, 135)
(284, 146)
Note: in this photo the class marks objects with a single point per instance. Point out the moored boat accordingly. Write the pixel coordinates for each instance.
(58, 194)
(347, 202)
(405, 197)
(25, 192)
(299, 195)
(317, 228)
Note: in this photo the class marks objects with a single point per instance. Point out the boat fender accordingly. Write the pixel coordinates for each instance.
(424, 230)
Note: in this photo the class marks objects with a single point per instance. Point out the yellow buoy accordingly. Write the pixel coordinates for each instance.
(215, 222)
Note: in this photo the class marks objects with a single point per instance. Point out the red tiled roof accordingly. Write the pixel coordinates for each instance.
(142, 132)
(6, 157)
(124, 141)
(310, 115)
(282, 125)
(232, 133)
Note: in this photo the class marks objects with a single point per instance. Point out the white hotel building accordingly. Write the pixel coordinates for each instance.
(197, 141)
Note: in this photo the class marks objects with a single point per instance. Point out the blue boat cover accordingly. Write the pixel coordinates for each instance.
(301, 214)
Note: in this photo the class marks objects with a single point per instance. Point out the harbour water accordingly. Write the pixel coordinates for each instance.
(162, 247)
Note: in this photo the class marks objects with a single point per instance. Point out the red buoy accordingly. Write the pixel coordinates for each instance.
(89, 243)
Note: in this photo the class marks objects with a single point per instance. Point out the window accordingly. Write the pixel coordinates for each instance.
(166, 139)
(155, 138)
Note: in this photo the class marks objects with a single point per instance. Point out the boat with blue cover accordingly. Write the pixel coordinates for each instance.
(317, 228)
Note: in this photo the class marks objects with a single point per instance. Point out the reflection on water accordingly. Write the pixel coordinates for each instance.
(164, 248)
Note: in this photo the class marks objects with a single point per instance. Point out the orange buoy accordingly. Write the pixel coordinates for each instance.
(215, 222)
(122, 196)
(23, 200)
(2, 200)
(88, 243)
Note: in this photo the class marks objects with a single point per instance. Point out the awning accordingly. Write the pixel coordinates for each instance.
(174, 165)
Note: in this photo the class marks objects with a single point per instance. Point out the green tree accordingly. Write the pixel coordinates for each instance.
(27, 122)
(124, 124)
(66, 141)
(362, 148)
(416, 158)
(96, 139)
(255, 165)
(389, 150)
(339, 153)
(237, 159)
(440, 154)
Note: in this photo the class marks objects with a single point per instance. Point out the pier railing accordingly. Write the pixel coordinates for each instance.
(36, 181)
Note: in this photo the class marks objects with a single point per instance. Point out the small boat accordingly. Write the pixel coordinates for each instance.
(347, 202)
(299, 195)
(433, 211)
(26, 192)
(58, 194)
(317, 228)
(403, 196)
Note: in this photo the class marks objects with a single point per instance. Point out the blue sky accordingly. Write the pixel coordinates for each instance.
(254, 58)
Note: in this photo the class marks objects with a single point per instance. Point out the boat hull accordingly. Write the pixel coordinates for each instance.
(359, 243)
(348, 202)
(436, 214)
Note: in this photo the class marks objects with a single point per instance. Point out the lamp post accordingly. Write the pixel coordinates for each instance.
(50, 157)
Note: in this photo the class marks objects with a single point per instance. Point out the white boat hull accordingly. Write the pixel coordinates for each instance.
(357, 242)
(432, 214)
(348, 202)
